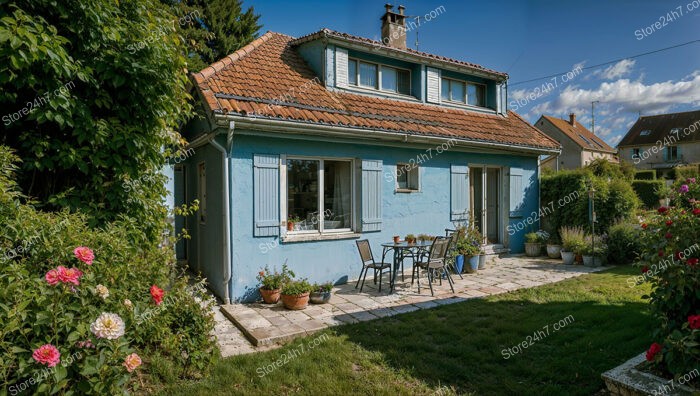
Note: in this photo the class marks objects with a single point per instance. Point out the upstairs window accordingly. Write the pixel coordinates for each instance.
(463, 92)
(645, 132)
(635, 153)
(671, 153)
(381, 77)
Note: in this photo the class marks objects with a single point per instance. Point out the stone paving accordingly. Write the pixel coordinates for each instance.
(265, 326)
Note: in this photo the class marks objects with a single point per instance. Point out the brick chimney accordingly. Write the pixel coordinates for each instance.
(394, 27)
(572, 119)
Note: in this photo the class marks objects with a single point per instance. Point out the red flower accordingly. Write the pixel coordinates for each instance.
(661, 253)
(157, 293)
(696, 211)
(668, 235)
(653, 350)
(677, 255)
(663, 209)
(694, 321)
(645, 269)
(69, 275)
(692, 261)
(669, 223)
(644, 225)
(261, 273)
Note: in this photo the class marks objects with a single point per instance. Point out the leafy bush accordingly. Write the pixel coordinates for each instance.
(648, 191)
(273, 280)
(623, 243)
(573, 239)
(669, 257)
(603, 168)
(686, 172)
(647, 174)
(52, 294)
(297, 287)
(614, 199)
(684, 192)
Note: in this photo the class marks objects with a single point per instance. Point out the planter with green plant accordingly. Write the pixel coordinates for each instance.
(425, 237)
(321, 293)
(532, 244)
(553, 247)
(573, 242)
(410, 238)
(271, 283)
(663, 191)
(295, 294)
(594, 250)
(291, 220)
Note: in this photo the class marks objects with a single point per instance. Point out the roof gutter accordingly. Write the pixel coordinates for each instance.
(303, 128)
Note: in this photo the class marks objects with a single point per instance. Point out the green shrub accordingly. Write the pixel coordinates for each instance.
(623, 243)
(34, 311)
(686, 172)
(647, 191)
(649, 174)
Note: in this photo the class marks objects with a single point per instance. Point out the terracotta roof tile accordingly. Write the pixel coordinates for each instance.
(579, 134)
(268, 78)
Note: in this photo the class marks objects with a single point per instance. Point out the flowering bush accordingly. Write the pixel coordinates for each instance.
(274, 280)
(65, 324)
(669, 259)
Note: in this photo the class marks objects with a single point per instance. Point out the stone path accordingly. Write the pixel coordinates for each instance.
(256, 327)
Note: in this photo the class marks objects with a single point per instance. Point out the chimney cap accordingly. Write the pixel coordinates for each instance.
(401, 9)
(388, 7)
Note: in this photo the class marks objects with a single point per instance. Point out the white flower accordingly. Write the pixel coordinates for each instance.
(108, 325)
(128, 304)
(102, 291)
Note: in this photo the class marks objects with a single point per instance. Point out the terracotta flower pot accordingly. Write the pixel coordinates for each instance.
(290, 226)
(397, 239)
(270, 296)
(295, 302)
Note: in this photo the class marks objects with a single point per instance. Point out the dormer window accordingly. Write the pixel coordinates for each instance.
(463, 92)
(375, 76)
(645, 132)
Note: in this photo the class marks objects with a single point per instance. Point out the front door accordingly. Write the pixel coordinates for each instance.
(485, 194)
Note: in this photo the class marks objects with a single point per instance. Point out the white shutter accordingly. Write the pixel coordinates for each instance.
(433, 85)
(341, 67)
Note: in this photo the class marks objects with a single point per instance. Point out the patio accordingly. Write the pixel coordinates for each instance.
(265, 325)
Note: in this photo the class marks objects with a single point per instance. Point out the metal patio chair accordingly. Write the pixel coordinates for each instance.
(368, 263)
(434, 263)
(450, 260)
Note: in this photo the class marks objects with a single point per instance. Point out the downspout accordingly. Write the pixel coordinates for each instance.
(226, 265)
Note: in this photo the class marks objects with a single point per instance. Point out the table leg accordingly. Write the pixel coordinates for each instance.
(397, 261)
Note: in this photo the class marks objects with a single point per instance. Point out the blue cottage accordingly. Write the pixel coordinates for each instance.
(304, 145)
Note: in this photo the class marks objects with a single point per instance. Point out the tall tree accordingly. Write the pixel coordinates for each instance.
(91, 92)
(213, 29)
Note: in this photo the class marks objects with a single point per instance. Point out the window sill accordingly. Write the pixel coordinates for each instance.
(405, 191)
(379, 92)
(319, 237)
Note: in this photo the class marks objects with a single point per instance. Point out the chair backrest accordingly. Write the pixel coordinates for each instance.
(439, 248)
(365, 250)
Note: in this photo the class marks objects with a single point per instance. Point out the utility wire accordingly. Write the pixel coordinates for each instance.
(609, 62)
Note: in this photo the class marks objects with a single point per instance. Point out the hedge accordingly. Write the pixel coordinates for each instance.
(646, 191)
(649, 174)
(685, 172)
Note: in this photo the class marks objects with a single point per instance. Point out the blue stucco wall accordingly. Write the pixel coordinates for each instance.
(427, 211)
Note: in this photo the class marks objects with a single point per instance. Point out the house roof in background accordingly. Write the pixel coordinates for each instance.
(579, 134)
(660, 127)
(269, 79)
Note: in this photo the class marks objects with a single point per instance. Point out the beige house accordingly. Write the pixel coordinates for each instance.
(579, 145)
(663, 141)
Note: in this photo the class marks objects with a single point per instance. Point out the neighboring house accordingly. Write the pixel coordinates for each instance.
(353, 139)
(663, 141)
(579, 145)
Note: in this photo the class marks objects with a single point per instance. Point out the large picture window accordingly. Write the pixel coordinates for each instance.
(319, 195)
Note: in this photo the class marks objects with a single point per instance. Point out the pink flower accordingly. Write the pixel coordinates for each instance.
(69, 275)
(653, 350)
(683, 189)
(690, 180)
(47, 354)
(52, 277)
(131, 362)
(84, 254)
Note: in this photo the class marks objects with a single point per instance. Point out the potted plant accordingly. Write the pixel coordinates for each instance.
(424, 237)
(553, 247)
(397, 239)
(271, 283)
(469, 247)
(295, 294)
(291, 220)
(410, 239)
(593, 251)
(321, 294)
(482, 259)
(532, 244)
(572, 242)
(664, 193)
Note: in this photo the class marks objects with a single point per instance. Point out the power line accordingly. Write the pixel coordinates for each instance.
(609, 62)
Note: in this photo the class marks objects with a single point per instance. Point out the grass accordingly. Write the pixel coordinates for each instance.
(458, 348)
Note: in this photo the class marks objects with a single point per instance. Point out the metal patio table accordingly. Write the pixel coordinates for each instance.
(400, 249)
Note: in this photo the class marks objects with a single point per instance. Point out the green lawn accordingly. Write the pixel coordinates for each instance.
(459, 348)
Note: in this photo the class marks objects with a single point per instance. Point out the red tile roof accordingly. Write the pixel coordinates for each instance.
(580, 135)
(269, 79)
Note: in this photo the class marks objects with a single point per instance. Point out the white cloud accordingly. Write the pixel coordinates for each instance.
(619, 69)
(613, 141)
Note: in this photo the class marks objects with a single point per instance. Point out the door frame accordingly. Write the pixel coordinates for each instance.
(501, 200)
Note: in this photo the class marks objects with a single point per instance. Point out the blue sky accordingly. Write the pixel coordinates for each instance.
(530, 39)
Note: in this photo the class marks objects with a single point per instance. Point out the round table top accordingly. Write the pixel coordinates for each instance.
(404, 245)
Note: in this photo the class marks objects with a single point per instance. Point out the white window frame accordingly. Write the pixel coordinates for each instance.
(464, 102)
(412, 167)
(379, 87)
(321, 204)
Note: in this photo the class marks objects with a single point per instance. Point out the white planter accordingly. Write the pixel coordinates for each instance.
(568, 257)
(554, 251)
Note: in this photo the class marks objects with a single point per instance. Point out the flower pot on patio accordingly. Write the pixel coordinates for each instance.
(568, 257)
(579, 258)
(587, 260)
(473, 264)
(554, 251)
(482, 261)
(270, 296)
(319, 297)
(295, 301)
(532, 249)
(459, 263)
